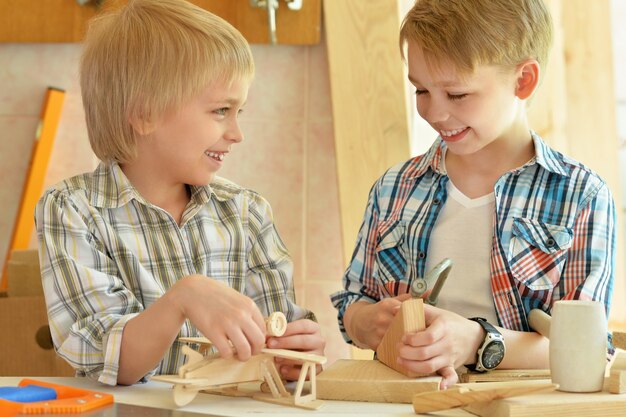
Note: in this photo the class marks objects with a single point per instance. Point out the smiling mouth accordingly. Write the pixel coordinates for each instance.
(450, 133)
(218, 156)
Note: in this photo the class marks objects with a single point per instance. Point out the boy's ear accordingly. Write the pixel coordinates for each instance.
(141, 125)
(527, 79)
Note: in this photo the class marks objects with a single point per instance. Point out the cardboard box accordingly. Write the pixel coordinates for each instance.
(23, 274)
(26, 348)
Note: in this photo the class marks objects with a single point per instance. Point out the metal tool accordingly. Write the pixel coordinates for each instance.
(272, 6)
(434, 279)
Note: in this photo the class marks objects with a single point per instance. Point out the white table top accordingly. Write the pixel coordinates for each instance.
(159, 395)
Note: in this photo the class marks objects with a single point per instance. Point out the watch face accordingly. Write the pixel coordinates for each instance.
(493, 354)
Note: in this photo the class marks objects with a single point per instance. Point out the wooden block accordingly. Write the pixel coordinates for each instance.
(372, 381)
(617, 381)
(501, 375)
(619, 340)
(410, 318)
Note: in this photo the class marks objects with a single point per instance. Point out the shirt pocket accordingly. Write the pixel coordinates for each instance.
(537, 252)
(391, 258)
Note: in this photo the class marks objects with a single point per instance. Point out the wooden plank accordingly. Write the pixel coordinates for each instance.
(66, 20)
(501, 375)
(591, 127)
(409, 318)
(372, 381)
(368, 95)
(33, 186)
(554, 404)
(547, 110)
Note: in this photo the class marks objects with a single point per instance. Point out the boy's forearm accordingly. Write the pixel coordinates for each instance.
(351, 323)
(525, 350)
(147, 337)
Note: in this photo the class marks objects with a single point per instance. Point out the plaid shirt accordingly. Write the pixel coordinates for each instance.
(107, 254)
(553, 235)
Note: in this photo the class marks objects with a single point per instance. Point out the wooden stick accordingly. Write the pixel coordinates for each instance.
(461, 396)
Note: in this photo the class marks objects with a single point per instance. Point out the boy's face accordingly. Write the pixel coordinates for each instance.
(469, 112)
(191, 145)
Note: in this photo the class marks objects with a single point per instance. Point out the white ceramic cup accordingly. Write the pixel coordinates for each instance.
(578, 343)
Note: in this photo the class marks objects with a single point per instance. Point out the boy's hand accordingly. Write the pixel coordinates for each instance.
(448, 342)
(303, 336)
(222, 314)
(367, 323)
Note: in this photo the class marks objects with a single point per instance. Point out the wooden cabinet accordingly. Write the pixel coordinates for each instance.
(66, 20)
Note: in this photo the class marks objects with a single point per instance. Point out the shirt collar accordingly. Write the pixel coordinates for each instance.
(110, 188)
(548, 158)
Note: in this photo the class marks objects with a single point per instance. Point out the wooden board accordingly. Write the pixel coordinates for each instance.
(372, 381)
(500, 375)
(367, 83)
(66, 20)
(409, 319)
(555, 404)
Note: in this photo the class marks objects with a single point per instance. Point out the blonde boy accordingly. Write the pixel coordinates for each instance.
(151, 245)
(525, 225)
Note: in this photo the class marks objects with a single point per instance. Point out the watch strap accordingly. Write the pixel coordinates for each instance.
(489, 330)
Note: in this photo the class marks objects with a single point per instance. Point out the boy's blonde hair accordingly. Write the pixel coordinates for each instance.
(148, 58)
(467, 33)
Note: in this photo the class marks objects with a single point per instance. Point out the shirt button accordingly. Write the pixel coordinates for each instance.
(421, 255)
(550, 242)
(436, 201)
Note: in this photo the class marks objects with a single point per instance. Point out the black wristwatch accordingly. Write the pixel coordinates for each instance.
(491, 351)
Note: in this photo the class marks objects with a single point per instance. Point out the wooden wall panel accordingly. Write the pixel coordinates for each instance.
(591, 128)
(66, 21)
(368, 96)
(547, 111)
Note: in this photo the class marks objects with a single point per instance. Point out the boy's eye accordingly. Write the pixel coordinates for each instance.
(456, 96)
(420, 92)
(221, 111)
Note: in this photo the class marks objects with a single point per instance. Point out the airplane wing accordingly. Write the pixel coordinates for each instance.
(299, 356)
(175, 379)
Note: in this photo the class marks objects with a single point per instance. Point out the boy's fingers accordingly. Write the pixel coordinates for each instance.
(303, 326)
(301, 342)
(241, 344)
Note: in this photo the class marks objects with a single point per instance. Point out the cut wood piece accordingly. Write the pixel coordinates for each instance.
(463, 395)
(371, 381)
(502, 375)
(410, 318)
(554, 404)
(619, 340)
(617, 378)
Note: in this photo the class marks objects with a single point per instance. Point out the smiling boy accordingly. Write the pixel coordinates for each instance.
(525, 225)
(152, 245)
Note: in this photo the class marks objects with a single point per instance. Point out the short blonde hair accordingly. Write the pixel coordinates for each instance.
(148, 58)
(468, 33)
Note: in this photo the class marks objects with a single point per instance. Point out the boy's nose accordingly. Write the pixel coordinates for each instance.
(234, 134)
(436, 113)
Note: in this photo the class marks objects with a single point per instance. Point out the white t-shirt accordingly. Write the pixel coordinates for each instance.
(464, 233)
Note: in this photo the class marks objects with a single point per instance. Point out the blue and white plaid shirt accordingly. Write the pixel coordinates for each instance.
(553, 235)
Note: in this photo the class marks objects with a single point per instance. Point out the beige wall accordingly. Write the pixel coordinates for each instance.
(288, 155)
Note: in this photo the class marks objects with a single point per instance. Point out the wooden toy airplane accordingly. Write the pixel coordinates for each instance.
(209, 372)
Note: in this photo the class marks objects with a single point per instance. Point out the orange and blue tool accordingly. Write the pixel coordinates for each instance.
(38, 397)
